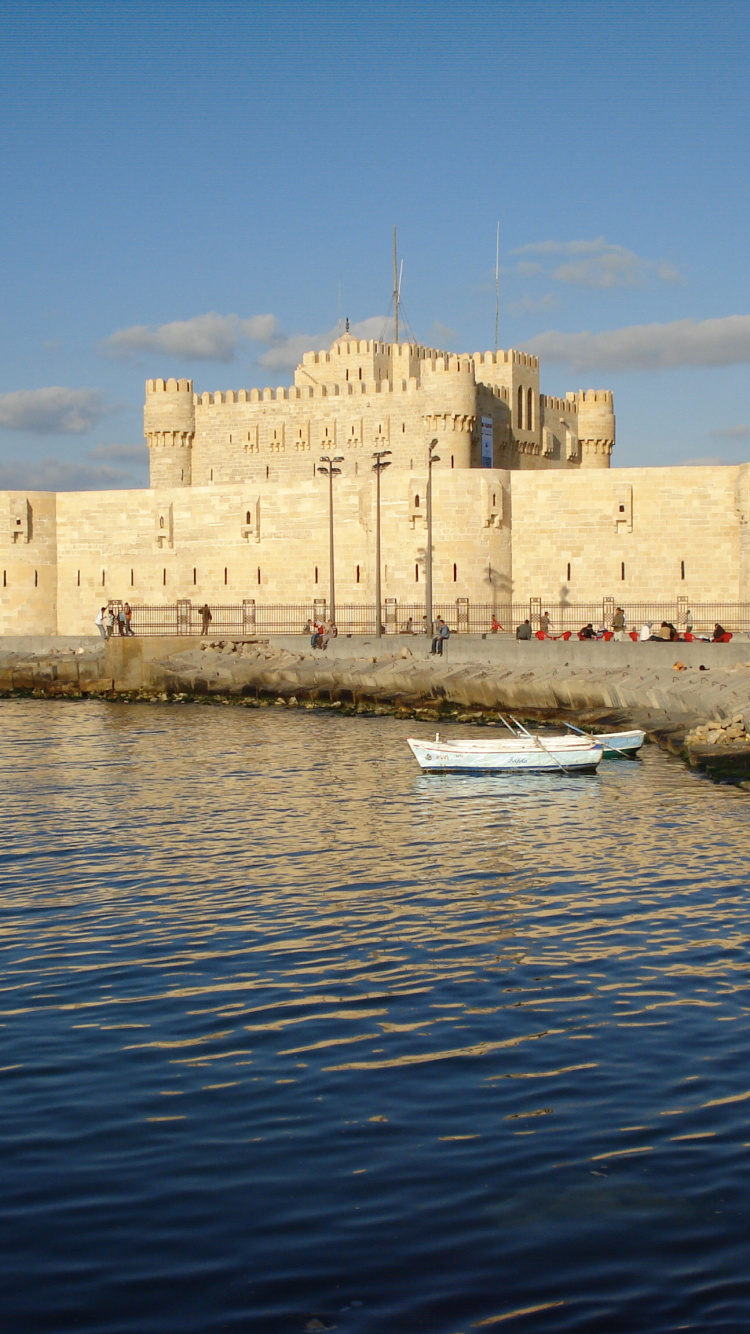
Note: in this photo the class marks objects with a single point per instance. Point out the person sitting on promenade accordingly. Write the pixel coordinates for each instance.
(667, 631)
(409, 627)
(441, 634)
(524, 631)
(588, 632)
(719, 633)
(646, 632)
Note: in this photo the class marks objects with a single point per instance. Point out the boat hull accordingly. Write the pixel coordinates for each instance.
(621, 744)
(572, 755)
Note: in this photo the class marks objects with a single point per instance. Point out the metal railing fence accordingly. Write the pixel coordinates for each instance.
(249, 618)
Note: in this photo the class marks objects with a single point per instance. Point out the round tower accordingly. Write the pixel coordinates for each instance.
(596, 427)
(169, 428)
(450, 407)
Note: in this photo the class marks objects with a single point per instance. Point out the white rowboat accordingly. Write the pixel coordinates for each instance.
(554, 754)
(619, 743)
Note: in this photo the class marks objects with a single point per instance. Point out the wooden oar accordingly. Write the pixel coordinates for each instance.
(537, 740)
(609, 746)
(505, 724)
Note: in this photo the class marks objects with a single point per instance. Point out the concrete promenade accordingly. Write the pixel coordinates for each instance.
(613, 683)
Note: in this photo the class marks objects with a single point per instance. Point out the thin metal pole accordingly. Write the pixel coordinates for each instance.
(331, 584)
(395, 289)
(428, 563)
(377, 555)
(497, 287)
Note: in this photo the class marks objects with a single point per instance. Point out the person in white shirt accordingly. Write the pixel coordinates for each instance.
(100, 622)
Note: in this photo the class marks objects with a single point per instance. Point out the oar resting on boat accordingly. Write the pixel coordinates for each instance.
(634, 740)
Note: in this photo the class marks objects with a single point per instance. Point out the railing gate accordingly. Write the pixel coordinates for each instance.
(248, 616)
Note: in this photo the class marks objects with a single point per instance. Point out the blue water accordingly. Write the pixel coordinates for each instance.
(295, 1037)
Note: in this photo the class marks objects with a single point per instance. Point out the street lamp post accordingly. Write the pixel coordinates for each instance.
(432, 457)
(331, 471)
(378, 466)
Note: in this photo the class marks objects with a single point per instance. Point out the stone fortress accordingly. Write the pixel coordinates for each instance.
(525, 504)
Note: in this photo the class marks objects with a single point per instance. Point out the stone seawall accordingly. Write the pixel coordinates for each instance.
(668, 689)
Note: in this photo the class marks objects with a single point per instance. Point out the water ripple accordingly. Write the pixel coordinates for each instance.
(293, 1033)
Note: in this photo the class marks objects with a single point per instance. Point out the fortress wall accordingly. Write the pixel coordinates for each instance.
(155, 547)
(742, 510)
(650, 519)
(28, 563)
(281, 438)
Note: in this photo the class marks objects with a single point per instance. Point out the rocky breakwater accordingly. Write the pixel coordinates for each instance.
(698, 708)
(52, 672)
(721, 747)
(668, 701)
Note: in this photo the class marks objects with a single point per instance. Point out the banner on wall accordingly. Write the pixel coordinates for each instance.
(487, 461)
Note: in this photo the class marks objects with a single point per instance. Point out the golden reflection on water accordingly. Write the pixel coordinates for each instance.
(245, 887)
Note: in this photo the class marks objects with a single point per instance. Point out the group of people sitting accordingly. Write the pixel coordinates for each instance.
(618, 630)
(668, 631)
(320, 633)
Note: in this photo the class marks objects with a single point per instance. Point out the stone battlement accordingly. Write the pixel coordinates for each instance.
(169, 386)
(364, 393)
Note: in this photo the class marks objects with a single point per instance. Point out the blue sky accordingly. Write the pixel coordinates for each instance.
(204, 189)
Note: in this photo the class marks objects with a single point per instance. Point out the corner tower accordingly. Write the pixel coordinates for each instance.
(169, 428)
(596, 426)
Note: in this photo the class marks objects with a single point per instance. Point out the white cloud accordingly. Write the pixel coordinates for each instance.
(650, 347)
(599, 243)
(123, 453)
(597, 263)
(442, 335)
(731, 433)
(53, 474)
(210, 337)
(529, 304)
(53, 410)
(705, 461)
(287, 352)
(216, 337)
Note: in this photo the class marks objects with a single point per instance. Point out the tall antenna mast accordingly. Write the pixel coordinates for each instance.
(497, 287)
(395, 289)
